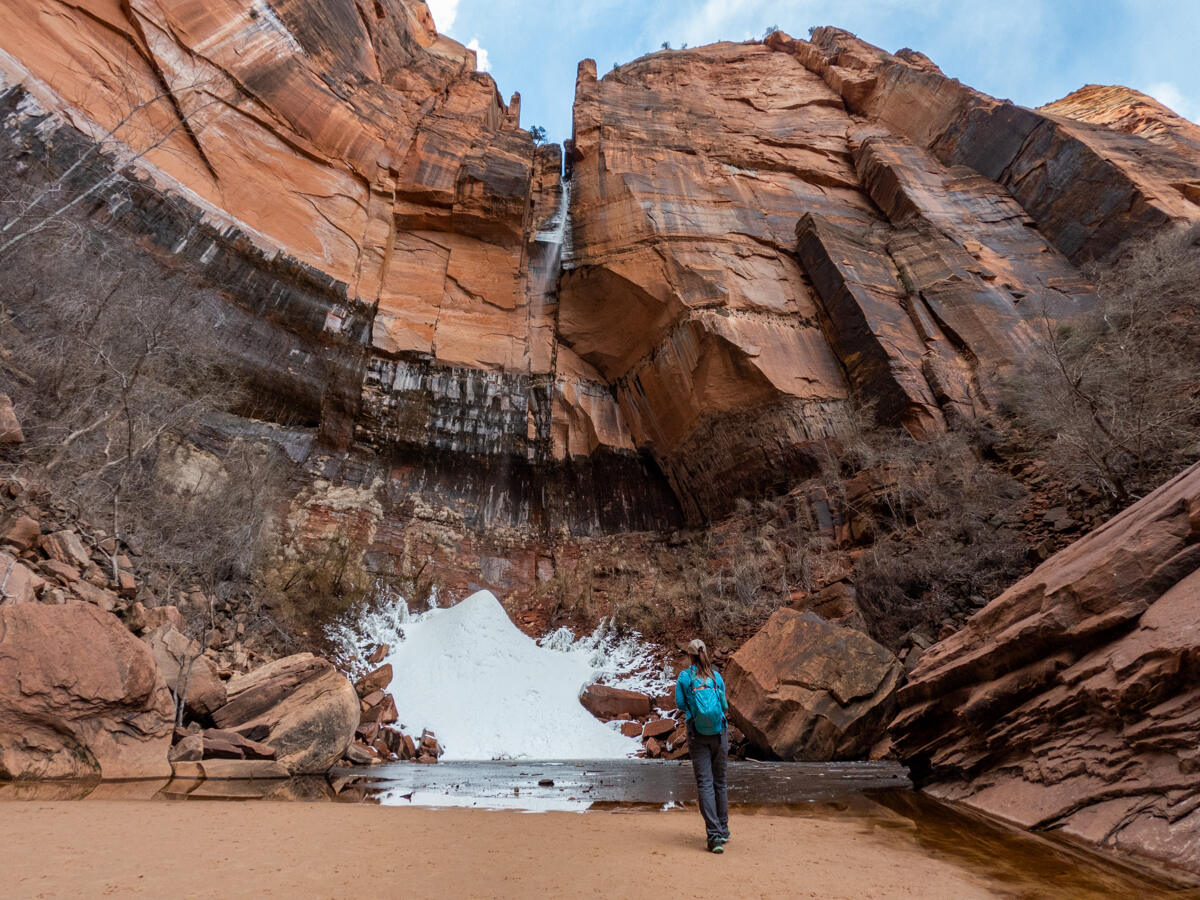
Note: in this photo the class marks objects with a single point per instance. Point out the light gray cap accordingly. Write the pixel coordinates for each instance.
(696, 647)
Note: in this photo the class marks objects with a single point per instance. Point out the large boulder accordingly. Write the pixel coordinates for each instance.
(79, 696)
(378, 680)
(1072, 700)
(804, 689)
(610, 702)
(300, 705)
(184, 665)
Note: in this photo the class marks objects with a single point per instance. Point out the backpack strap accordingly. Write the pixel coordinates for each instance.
(688, 686)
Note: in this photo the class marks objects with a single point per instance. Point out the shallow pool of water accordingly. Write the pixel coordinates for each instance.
(877, 797)
(579, 786)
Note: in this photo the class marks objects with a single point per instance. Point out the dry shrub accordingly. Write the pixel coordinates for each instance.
(1113, 402)
(114, 365)
(945, 541)
(321, 580)
(723, 582)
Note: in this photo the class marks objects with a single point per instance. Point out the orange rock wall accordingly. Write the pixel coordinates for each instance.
(750, 234)
(1088, 187)
(1130, 111)
(748, 251)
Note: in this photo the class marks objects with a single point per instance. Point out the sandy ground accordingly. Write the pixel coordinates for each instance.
(301, 850)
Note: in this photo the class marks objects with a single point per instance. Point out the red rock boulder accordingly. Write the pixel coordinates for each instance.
(377, 680)
(804, 689)
(381, 713)
(18, 583)
(300, 705)
(79, 696)
(21, 532)
(66, 547)
(10, 425)
(609, 702)
(187, 669)
(659, 728)
(222, 744)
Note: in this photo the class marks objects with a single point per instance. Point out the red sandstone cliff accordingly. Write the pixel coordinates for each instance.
(755, 230)
(748, 250)
(349, 137)
(475, 361)
(1130, 111)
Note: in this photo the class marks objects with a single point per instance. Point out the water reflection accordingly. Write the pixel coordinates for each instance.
(534, 786)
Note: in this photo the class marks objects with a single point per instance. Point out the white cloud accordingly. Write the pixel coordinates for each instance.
(482, 63)
(444, 14)
(1169, 94)
(717, 20)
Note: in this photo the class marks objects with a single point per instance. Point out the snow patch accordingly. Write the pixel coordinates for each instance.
(488, 691)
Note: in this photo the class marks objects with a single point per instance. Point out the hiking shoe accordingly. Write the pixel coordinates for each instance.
(716, 846)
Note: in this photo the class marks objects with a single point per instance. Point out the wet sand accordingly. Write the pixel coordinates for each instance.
(267, 849)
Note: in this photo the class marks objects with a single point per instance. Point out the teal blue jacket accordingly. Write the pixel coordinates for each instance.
(682, 690)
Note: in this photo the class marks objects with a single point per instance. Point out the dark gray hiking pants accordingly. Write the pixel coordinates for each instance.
(710, 756)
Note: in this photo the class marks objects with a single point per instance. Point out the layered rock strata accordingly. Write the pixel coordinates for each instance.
(1130, 111)
(1072, 701)
(1089, 188)
(389, 237)
(749, 235)
(747, 252)
(299, 706)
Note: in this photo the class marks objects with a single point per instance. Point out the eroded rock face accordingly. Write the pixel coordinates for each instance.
(363, 147)
(492, 359)
(79, 696)
(1087, 187)
(746, 252)
(1130, 111)
(300, 705)
(609, 702)
(803, 689)
(1072, 701)
(749, 232)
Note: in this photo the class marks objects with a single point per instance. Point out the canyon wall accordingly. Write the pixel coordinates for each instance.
(468, 352)
(483, 354)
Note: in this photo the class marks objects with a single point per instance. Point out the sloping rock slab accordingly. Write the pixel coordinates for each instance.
(308, 708)
(79, 696)
(804, 689)
(1072, 700)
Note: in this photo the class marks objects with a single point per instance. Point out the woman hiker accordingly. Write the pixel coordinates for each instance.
(700, 693)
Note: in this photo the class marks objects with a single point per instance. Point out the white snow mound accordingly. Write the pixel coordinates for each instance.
(468, 674)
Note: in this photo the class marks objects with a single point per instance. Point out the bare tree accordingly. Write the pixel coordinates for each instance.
(135, 135)
(115, 362)
(1114, 400)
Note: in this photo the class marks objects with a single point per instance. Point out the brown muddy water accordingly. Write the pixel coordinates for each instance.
(876, 796)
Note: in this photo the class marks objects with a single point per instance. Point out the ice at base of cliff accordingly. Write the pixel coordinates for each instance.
(488, 691)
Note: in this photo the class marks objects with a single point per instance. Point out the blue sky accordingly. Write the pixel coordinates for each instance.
(1029, 51)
